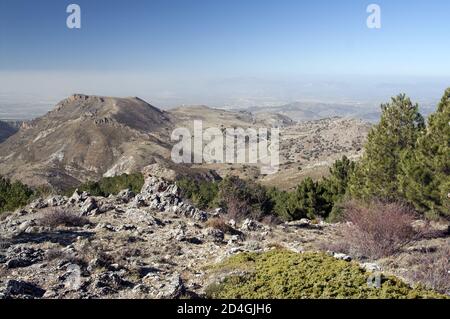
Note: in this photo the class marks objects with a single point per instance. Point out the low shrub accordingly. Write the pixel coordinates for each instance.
(378, 229)
(239, 198)
(13, 195)
(220, 224)
(55, 217)
(112, 185)
(281, 274)
(243, 199)
(203, 194)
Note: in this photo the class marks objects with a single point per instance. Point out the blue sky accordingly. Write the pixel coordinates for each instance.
(182, 42)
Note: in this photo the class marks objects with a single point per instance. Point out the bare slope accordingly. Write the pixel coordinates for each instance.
(85, 137)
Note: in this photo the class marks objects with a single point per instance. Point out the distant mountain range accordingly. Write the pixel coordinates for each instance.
(306, 111)
(87, 137)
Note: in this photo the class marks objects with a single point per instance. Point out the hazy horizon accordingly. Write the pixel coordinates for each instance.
(231, 54)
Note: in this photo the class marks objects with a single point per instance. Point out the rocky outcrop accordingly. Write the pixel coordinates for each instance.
(152, 244)
(20, 289)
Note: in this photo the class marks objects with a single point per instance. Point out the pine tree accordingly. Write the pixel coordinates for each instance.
(377, 174)
(336, 187)
(308, 201)
(337, 183)
(426, 180)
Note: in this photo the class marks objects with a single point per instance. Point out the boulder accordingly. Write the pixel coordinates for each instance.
(125, 195)
(88, 206)
(19, 257)
(215, 235)
(342, 256)
(372, 267)
(75, 198)
(55, 201)
(39, 204)
(172, 289)
(22, 289)
(302, 223)
(249, 225)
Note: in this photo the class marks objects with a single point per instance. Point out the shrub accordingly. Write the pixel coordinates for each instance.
(203, 194)
(55, 217)
(243, 199)
(283, 204)
(337, 183)
(13, 195)
(280, 274)
(307, 201)
(220, 224)
(112, 185)
(378, 229)
(239, 198)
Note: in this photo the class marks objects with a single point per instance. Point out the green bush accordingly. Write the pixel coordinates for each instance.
(13, 195)
(281, 274)
(336, 185)
(203, 194)
(242, 199)
(112, 185)
(239, 198)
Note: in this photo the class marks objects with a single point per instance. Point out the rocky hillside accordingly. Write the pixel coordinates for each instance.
(86, 137)
(308, 111)
(6, 130)
(211, 117)
(147, 245)
(309, 148)
(89, 137)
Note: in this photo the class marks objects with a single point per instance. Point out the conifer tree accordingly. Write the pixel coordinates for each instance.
(426, 169)
(377, 174)
(337, 183)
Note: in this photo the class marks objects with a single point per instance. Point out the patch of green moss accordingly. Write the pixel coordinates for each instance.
(282, 274)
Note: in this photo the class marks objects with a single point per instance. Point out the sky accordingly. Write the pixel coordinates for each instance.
(221, 52)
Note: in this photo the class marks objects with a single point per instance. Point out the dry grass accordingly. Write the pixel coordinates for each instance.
(220, 224)
(55, 217)
(432, 269)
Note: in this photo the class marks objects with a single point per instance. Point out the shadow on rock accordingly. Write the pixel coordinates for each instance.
(63, 238)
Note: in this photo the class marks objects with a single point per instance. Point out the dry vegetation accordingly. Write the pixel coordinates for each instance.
(432, 269)
(378, 229)
(55, 217)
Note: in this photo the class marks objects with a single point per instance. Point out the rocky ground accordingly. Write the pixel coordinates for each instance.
(146, 245)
